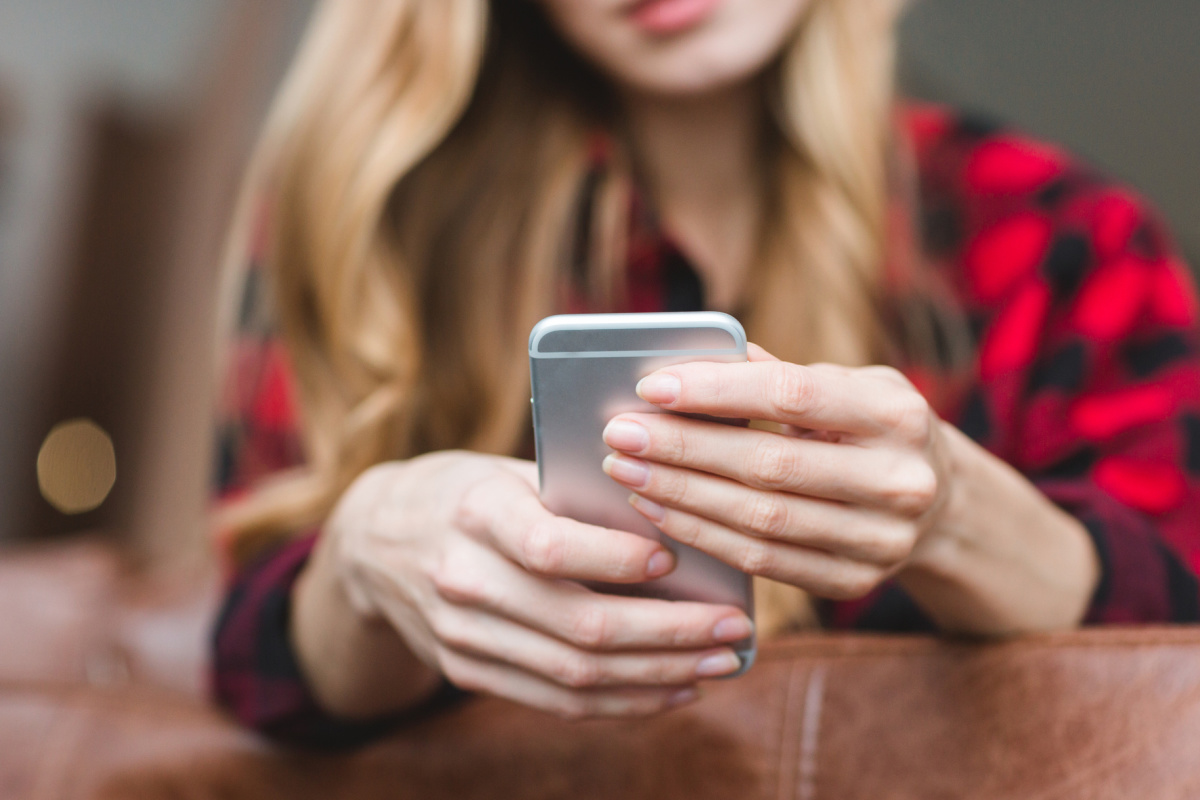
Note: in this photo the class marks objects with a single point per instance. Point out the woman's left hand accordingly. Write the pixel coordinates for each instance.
(839, 502)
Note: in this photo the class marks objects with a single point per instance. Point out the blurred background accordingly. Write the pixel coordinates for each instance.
(124, 125)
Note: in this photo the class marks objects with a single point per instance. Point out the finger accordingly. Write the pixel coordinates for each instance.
(481, 633)
(475, 576)
(822, 574)
(803, 396)
(526, 470)
(854, 532)
(481, 675)
(891, 478)
(756, 353)
(505, 512)
(889, 374)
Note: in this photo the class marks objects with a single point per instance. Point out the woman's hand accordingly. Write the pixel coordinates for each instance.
(834, 505)
(864, 483)
(455, 552)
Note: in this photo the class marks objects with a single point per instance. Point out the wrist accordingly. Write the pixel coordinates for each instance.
(1000, 558)
(354, 661)
(334, 561)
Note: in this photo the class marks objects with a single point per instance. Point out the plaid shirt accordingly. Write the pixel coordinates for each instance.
(1086, 378)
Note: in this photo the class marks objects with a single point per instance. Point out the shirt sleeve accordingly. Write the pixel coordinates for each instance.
(1110, 428)
(255, 673)
(1086, 371)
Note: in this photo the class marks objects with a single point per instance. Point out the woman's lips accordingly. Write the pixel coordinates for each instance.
(665, 17)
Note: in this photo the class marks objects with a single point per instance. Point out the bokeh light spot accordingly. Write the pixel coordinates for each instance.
(76, 466)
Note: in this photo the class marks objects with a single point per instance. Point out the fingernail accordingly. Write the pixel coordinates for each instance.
(731, 629)
(623, 434)
(648, 508)
(660, 564)
(628, 471)
(682, 696)
(718, 664)
(659, 389)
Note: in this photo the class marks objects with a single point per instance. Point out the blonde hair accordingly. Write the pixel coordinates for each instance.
(421, 171)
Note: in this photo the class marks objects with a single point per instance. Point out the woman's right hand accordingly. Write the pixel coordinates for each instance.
(456, 552)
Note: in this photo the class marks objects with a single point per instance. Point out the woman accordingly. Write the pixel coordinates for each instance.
(438, 176)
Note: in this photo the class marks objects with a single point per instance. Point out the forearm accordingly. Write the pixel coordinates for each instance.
(356, 665)
(1002, 558)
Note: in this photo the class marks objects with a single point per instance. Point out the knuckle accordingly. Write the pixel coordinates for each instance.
(888, 373)
(670, 442)
(767, 515)
(453, 580)
(911, 417)
(629, 560)
(542, 549)
(756, 558)
(856, 583)
(655, 671)
(683, 528)
(773, 463)
(680, 631)
(895, 542)
(672, 487)
(578, 671)
(446, 580)
(590, 628)
(663, 671)
(454, 588)
(449, 629)
(791, 390)
(470, 513)
(914, 488)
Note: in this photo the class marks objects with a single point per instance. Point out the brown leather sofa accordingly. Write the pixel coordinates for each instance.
(101, 696)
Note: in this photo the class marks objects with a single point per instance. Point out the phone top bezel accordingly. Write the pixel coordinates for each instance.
(648, 321)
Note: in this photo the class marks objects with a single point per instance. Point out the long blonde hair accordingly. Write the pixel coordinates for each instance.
(421, 172)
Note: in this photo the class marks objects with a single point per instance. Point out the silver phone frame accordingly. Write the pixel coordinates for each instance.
(657, 321)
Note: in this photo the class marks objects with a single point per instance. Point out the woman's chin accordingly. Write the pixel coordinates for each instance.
(683, 72)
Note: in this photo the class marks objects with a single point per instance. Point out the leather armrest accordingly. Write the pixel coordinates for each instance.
(1099, 714)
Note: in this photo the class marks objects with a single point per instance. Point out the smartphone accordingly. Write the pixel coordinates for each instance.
(584, 368)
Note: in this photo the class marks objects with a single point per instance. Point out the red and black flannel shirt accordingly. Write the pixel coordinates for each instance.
(1086, 378)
